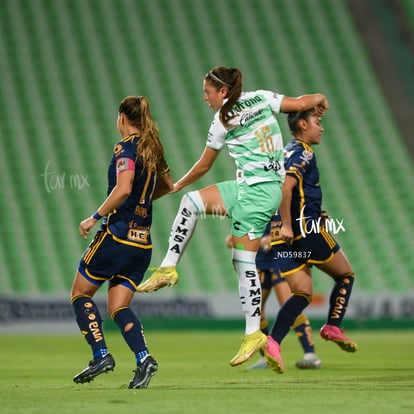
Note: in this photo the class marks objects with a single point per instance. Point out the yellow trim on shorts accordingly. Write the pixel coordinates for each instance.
(94, 246)
(296, 269)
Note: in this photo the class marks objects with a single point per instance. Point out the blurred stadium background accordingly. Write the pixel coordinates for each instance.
(66, 64)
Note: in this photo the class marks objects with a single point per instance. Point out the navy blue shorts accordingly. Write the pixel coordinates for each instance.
(269, 278)
(314, 249)
(106, 259)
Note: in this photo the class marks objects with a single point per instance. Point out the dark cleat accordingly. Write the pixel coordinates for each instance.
(144, 373)
(95, 368)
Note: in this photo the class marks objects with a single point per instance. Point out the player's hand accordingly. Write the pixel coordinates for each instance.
(85, 227)
(229, 241)
(265, 243)
(322, 107)
(324, 217)
(286, 234)
(177, 187)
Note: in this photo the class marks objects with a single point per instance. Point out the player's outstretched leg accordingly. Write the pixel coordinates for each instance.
(185, 222)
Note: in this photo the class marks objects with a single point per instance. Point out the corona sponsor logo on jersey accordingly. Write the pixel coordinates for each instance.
(246, 104)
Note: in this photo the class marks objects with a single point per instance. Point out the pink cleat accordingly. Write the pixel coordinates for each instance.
(273, 356)
(337, 335)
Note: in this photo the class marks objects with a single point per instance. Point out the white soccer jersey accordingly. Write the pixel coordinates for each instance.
(253, 139)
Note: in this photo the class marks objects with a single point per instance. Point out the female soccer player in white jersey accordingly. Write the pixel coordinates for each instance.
(246, 123)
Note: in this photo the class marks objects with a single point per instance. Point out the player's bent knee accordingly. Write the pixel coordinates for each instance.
(192, 201)
(350, 277)
(307, 296)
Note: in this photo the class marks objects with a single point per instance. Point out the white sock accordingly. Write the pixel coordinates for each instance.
(185, 221)
(249, 288)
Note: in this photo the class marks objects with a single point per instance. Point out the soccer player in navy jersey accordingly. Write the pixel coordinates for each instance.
(306, 242)
(120, 252)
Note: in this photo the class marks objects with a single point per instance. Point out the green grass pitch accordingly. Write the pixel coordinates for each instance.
(194, 376)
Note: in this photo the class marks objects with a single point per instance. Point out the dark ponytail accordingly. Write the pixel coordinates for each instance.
(230, 78)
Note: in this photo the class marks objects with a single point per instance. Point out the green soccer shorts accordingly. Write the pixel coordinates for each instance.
(250, 207)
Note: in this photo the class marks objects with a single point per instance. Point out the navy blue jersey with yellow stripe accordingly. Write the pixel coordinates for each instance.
(300, 163)
(312, 244)
(131, 222)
